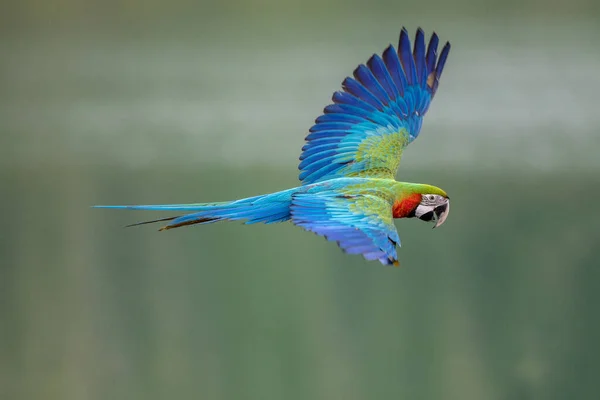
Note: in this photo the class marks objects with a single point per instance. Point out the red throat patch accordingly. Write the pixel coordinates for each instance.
(402, 208)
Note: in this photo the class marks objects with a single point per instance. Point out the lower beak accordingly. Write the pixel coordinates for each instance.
(441, 213)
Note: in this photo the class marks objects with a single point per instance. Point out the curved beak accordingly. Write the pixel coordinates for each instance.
(441, 213)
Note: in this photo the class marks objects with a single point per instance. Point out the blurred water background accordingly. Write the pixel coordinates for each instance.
(152, 102)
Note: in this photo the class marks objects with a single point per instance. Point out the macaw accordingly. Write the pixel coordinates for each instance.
(348, 191)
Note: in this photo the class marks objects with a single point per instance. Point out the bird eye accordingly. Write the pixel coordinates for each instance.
(431, 197)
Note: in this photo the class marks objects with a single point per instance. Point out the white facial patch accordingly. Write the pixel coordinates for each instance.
(421, 210)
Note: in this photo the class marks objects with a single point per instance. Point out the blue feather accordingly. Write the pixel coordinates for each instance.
(364, 75)
(317, 149)
(406, 57)
(431, 53)
(355, 88)
(347, 98)
(419, 57)
(395, 108)
(320, 142)
(402, 107)
(346, 109)
(337, 149)
(331, 126)
(326, 134)
(339, 117)
(440, 65)
(315, 173)
(380, 72)
(318, 157)
(374, 117)
(392, 62)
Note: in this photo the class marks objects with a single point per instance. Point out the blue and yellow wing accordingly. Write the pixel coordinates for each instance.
(376, 115)
(360, 224)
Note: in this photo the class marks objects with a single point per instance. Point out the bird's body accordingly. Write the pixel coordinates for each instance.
(348, 192)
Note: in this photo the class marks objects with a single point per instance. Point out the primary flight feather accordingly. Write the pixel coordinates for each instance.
(348, 165)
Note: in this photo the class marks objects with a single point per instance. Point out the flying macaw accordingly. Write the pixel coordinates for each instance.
(348, 192)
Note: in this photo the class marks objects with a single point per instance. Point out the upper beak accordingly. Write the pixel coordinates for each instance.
(441, 213)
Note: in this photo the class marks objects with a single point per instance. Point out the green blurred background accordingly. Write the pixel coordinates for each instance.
(151, 102)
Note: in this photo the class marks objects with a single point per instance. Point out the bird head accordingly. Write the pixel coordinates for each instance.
(433, 208)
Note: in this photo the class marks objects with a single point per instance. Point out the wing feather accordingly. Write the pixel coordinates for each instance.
(419, 58)
(356, 89)
(348, 98)
(376, 115)
(360, 224)
(341, 117)
(392, 62)
(377, 66)
(364, 75)
(406, 57)
(432, 53)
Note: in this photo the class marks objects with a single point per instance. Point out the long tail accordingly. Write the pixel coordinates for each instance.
(267, 208)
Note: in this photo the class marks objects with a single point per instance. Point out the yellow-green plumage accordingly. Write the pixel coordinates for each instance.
(381, 155)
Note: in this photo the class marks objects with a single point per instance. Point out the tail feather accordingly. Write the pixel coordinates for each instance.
(176, 224)
(172, 207)
(150, 222)
(268, 209)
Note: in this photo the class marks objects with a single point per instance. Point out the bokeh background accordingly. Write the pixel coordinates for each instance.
(181, 101)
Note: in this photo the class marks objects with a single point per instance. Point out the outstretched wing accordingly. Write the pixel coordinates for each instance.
(360, 224)
(378, 113)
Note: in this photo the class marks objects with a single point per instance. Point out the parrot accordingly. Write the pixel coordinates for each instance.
(348, 192)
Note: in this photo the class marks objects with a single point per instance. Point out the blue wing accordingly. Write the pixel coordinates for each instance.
(360, 224)
(378, 113)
